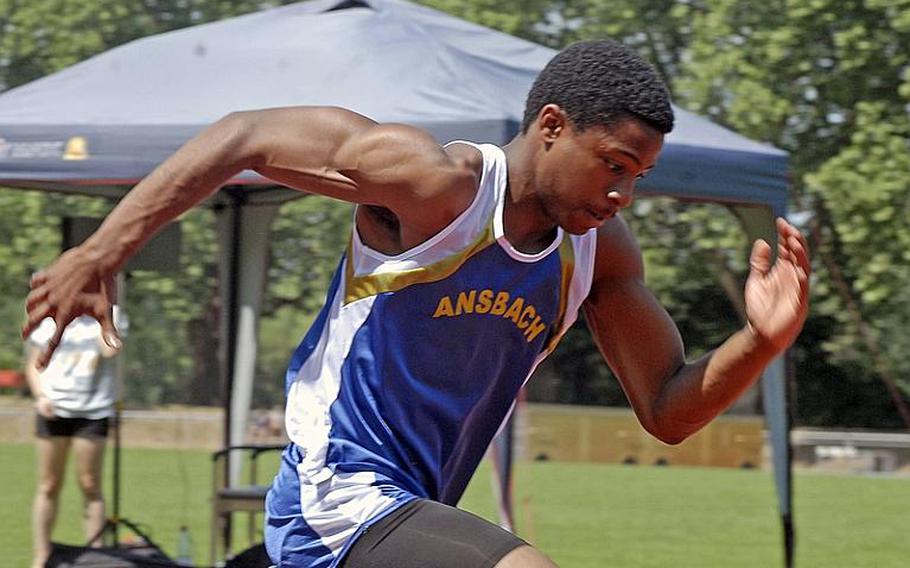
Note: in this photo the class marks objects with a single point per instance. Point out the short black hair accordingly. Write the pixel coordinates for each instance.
(599, 83)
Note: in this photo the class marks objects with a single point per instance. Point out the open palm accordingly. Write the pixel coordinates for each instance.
(777, 294)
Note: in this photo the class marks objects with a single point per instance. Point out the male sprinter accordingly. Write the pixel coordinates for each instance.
(466, 265)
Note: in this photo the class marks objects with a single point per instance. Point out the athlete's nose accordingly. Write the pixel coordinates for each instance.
(620, 195)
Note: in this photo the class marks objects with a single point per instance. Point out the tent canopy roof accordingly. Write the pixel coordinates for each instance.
(101, 125)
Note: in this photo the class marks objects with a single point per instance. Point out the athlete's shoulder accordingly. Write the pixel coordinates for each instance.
(444, 182)
(467, 160)
(618, 254)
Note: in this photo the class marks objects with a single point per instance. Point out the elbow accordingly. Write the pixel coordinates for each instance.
(668, 436)
(669, 431)
(673, 439)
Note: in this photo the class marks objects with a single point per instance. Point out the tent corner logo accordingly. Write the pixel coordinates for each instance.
(76, 149)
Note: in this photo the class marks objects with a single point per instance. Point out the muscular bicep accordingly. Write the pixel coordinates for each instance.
(630, 327)
(341, 154)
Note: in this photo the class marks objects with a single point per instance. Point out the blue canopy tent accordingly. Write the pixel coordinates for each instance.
(98, 127)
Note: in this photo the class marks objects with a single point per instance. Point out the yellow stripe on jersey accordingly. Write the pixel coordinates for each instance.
(358, 287)
(567, 259)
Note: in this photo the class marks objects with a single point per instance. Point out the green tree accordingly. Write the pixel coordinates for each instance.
(171, 352)
(827, 81)
(688, 249)
(308, 237)
(27, 242)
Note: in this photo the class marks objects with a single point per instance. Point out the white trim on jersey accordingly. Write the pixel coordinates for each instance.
(334, 505)
(450, 240)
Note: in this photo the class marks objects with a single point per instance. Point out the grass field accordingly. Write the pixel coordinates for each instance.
(582, 515)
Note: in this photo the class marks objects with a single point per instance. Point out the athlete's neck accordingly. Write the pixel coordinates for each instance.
(525, 222)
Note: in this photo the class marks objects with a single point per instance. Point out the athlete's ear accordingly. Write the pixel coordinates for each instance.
(551, 122)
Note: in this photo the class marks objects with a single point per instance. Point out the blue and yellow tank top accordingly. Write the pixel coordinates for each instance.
(412, 366)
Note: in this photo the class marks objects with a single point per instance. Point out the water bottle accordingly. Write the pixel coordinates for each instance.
(184, 547)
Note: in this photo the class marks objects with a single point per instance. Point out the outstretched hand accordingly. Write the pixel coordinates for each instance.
(74, 285)
(777, 295)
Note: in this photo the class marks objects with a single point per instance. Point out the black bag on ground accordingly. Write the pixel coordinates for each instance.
(253, 557)
(132, 556)
(143, 553)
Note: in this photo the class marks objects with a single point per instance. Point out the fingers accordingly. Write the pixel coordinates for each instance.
(110, 289)
(45, 356)
(106, 314)
(799, 254)
(35, 316)
(38, 278)
(36, 304)
(72, 286)
(108, 329)
(793, 247)
(788, 232)
(35, 297)
(760, 259)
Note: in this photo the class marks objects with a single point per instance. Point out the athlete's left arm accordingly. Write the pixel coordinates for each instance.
(671, 397)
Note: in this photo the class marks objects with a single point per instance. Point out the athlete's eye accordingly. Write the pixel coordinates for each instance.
(617, 169)
(643, 175)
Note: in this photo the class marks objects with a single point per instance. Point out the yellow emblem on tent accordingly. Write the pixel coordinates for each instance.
(76, 149)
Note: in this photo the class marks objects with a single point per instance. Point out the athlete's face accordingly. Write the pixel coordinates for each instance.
(585, 177)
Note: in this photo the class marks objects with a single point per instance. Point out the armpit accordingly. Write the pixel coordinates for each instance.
(383, 216)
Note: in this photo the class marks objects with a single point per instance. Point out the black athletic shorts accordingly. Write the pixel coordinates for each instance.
(71, 427)
(427, 534)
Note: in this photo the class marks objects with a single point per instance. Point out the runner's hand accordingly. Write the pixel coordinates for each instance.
(777, 295)
(74, 285)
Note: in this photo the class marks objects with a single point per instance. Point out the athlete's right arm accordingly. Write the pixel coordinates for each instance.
(329, 151)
